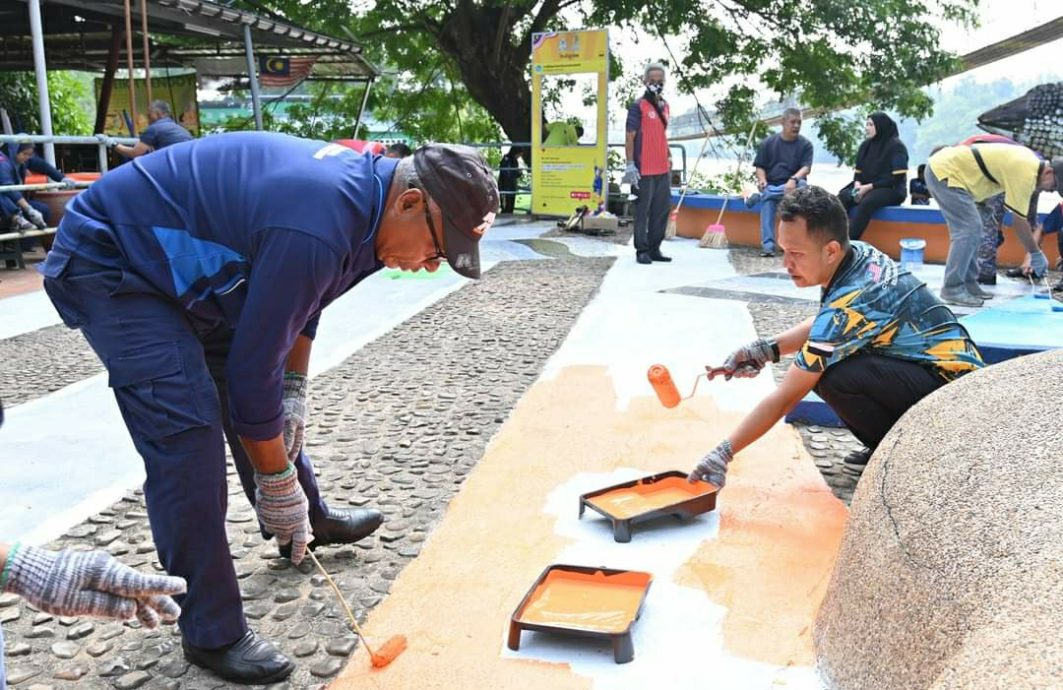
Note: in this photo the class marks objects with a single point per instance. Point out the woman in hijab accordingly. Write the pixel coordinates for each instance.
(880, 177)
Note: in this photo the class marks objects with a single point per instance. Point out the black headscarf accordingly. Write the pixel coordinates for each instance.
(874, 160)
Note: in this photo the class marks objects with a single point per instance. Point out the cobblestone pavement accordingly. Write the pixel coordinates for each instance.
(37, 363)
(397, 426)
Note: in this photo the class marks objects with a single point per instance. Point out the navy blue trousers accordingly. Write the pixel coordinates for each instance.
(168, 378)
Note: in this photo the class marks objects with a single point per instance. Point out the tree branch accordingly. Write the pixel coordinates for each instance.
(413, 26)
(500, 30)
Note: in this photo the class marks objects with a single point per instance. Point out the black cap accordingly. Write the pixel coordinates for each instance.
(458, 180)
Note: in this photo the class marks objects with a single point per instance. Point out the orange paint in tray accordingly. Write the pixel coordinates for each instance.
(668, 493)
(585, 602)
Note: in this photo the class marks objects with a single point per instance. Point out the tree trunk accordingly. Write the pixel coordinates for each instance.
(494, 71)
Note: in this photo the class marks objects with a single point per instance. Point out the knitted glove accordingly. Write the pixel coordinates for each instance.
(34, 216)
(283, 510)
(747, 361)
(69, 183)
(89, 583)
(294, 403)
(713, 467)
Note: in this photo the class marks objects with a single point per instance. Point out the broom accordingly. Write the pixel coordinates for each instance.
(715, 236)
(669, 232)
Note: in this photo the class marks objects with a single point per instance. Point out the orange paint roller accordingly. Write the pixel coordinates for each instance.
(664, 387)
(388, 651)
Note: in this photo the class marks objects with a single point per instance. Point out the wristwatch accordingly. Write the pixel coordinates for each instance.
(775, 356)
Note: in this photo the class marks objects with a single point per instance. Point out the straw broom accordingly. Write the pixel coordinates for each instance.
(715, 236)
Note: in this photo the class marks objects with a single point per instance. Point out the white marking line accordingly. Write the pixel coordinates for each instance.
(678, 640)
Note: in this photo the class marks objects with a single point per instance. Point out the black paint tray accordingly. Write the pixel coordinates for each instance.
(584, 602)
(639, 500)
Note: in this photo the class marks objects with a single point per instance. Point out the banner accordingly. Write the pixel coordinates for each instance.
(565, 174)
(177, 90)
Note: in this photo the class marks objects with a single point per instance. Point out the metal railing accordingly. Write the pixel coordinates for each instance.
(59, 139)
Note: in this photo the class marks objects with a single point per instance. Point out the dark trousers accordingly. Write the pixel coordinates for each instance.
(651, 212)
(170, 386)
(860, 213)
(871, 392)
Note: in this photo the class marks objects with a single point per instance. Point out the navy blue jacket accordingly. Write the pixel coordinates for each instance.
(13, 173)
(252, 233)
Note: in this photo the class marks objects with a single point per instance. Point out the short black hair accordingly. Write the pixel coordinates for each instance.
(824, 214)
(400, 149)
(579, 130)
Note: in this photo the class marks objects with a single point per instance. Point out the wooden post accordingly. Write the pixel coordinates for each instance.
(108, 78)
(147, 56)
(129, 58)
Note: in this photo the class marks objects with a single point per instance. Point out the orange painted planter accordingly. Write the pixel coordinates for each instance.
(887, 228)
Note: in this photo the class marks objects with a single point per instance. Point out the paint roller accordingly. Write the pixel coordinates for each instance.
(665, 388)
(384, 654)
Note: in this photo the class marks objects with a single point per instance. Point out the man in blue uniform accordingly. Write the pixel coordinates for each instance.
(879, 344)
(162, 131)
(198, 274)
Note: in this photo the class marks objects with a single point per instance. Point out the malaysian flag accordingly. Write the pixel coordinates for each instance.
(284, 71)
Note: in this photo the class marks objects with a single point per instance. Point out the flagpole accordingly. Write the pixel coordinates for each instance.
(256, 105)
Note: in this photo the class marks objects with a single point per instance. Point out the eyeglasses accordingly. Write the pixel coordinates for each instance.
(439, 255)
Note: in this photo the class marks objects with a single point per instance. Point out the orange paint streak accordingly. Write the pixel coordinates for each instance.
(585, 601)
(779, 534)
(644, 498)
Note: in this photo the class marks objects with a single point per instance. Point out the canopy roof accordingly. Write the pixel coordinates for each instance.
(78, 37)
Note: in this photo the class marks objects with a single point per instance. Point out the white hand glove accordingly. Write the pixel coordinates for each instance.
(294, 404)
(283, 510)
(69, 183)
(631, 174)
(34, 216)
(105, 140)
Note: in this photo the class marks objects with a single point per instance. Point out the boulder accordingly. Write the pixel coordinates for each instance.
(950, 573)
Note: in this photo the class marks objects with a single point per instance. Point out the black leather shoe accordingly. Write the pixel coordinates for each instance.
(251, 660)
(987, 280)
(657, 256)
(341, 527)
(643, 258)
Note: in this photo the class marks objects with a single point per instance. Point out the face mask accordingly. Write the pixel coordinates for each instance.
(655, 88)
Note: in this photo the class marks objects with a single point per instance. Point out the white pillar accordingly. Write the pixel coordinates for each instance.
(252, 74)
(39, 68)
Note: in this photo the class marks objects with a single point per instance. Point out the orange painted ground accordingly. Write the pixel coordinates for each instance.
(780, 529)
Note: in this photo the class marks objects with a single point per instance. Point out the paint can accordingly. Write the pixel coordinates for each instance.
(912, 249)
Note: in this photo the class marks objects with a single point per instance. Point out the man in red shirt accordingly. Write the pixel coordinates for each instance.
(649, 165)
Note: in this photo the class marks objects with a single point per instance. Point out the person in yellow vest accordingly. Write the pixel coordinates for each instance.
(562, 134)
(958, 177)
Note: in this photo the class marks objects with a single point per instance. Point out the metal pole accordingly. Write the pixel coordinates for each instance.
(39, 68)
(129, 58)
(147, 56)
(252, 75)
(361, 109)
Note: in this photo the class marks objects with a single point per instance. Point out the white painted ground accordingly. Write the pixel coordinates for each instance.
(632, 325)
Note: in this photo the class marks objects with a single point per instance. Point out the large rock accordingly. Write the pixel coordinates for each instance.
(950, 573)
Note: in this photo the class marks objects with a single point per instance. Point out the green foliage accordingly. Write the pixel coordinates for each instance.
(67, 96)
(732, 182)
(459, 71)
